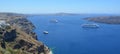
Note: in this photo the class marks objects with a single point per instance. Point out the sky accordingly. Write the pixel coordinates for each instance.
(56, 6)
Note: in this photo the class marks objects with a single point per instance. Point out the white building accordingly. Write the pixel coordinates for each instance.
(3, 23)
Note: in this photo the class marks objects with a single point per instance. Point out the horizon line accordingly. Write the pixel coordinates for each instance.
(59, 13)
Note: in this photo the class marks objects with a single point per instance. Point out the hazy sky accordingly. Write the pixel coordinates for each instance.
(55, 6)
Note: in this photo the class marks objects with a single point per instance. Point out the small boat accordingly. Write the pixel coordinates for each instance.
(54, 21)
(45, 32)
(90, 26)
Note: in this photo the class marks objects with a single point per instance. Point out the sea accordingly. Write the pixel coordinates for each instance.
(67, 36)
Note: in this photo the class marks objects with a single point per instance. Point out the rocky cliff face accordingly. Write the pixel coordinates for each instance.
(19, 36)
(17, 39)
(25, 25)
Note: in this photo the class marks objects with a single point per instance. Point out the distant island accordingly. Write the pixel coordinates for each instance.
(105, 19)
(65, 14)
(57, 14)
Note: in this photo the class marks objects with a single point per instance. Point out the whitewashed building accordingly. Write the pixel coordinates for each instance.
(3, 23)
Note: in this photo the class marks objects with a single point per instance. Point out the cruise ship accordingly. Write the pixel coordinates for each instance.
(90, 26)
(45, 32)
(54, 21)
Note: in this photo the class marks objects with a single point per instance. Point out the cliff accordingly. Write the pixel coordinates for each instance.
(18, 37)
(19, 20)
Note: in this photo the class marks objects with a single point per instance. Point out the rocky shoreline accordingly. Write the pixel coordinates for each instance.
(24, 37)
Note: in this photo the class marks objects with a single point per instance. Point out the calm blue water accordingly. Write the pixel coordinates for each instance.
(68, 37)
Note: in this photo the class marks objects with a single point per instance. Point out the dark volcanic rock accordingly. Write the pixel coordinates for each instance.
(10, 36)
(3, 44)
(23, 43)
